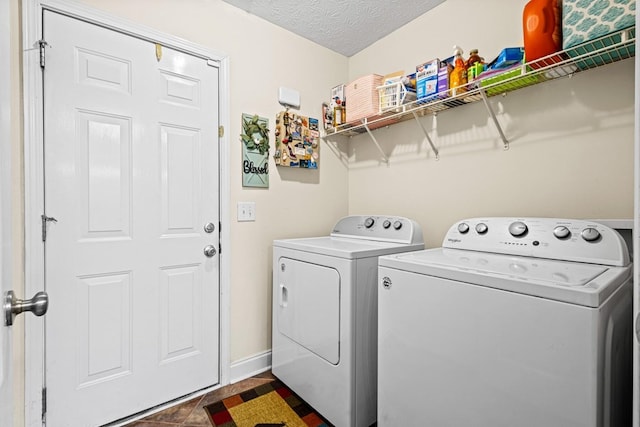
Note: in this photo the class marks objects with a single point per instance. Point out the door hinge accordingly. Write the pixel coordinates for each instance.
(45, 219)
(42, 45)
(44, 403)
(220, 131)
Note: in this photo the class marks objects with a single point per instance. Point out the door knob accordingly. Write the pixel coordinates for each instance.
(13, 306)
(209, 227)
(209, 251)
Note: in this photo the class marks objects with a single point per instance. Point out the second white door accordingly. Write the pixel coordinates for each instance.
(131, 181)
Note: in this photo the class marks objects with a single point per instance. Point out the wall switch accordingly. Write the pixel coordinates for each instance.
(246, 211)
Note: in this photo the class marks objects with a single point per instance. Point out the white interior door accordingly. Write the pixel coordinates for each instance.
(131, 178)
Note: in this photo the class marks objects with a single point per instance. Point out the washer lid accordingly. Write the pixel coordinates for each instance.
(571, 282)
(344, 247)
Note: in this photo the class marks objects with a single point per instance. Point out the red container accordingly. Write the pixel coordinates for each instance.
(542, 26)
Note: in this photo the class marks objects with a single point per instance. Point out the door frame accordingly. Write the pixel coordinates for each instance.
(636, 244)
(34, 176)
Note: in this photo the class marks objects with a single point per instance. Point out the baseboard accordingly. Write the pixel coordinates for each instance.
(250, 366)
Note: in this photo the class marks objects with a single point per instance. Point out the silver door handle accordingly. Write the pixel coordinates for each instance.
(13, 306)
(210, 251)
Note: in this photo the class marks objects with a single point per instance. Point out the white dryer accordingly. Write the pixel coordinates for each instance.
(325, 313)
(513, 322)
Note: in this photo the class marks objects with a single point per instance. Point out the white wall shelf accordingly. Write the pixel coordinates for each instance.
(595, 53)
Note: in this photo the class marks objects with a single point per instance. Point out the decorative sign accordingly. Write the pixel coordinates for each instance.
(255, 151)
(297, 140)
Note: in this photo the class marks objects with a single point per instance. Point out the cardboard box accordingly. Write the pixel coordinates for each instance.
(337, 96)
(427, 80)
(583, 21)
(444, 70)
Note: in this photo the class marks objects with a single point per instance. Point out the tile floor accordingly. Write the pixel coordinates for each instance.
(191, 413)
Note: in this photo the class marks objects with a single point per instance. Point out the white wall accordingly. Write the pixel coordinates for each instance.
(571, 140)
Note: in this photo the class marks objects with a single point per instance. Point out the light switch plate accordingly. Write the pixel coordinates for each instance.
(246, 211)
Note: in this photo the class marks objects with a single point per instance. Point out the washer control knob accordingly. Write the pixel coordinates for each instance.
(561, 232)
(369, 222)
(590, 234)
(463, 228)
(397, 225)
(386, 223)
(518, 229)
(481, 228)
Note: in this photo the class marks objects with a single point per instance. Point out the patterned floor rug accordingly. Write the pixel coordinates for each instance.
(268, 405)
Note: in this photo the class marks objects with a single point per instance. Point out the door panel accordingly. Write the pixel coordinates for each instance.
(180, 331)
(106, 314)
(104, 184)
(180, 188)
(131, 176)
(102, 71)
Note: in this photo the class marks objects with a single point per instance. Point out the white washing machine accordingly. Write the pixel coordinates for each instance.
(513, 322)
(325, 313)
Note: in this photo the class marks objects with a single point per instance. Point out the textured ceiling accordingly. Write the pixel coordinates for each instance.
(344, 26)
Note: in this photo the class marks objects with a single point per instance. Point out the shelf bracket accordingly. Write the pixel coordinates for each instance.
(505, 141)
(426, 134)
(375, 141)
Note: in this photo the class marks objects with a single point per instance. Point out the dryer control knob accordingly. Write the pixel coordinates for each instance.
(590, 234)
(481, 228)
(369, 222)
(463, 227)
(561, 232)
(386, 223)
(518, 229)
(397, 225)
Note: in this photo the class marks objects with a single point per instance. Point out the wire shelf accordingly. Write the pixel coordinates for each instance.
(595, 53)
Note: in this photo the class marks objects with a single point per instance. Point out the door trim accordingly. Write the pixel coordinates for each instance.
(636, 246)
(34, 176)
(6, 211)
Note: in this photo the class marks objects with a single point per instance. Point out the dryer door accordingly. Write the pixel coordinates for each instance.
(309, 306)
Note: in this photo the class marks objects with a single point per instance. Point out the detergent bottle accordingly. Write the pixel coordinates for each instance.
(542, 28)
(475, 65)
(458, 78)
